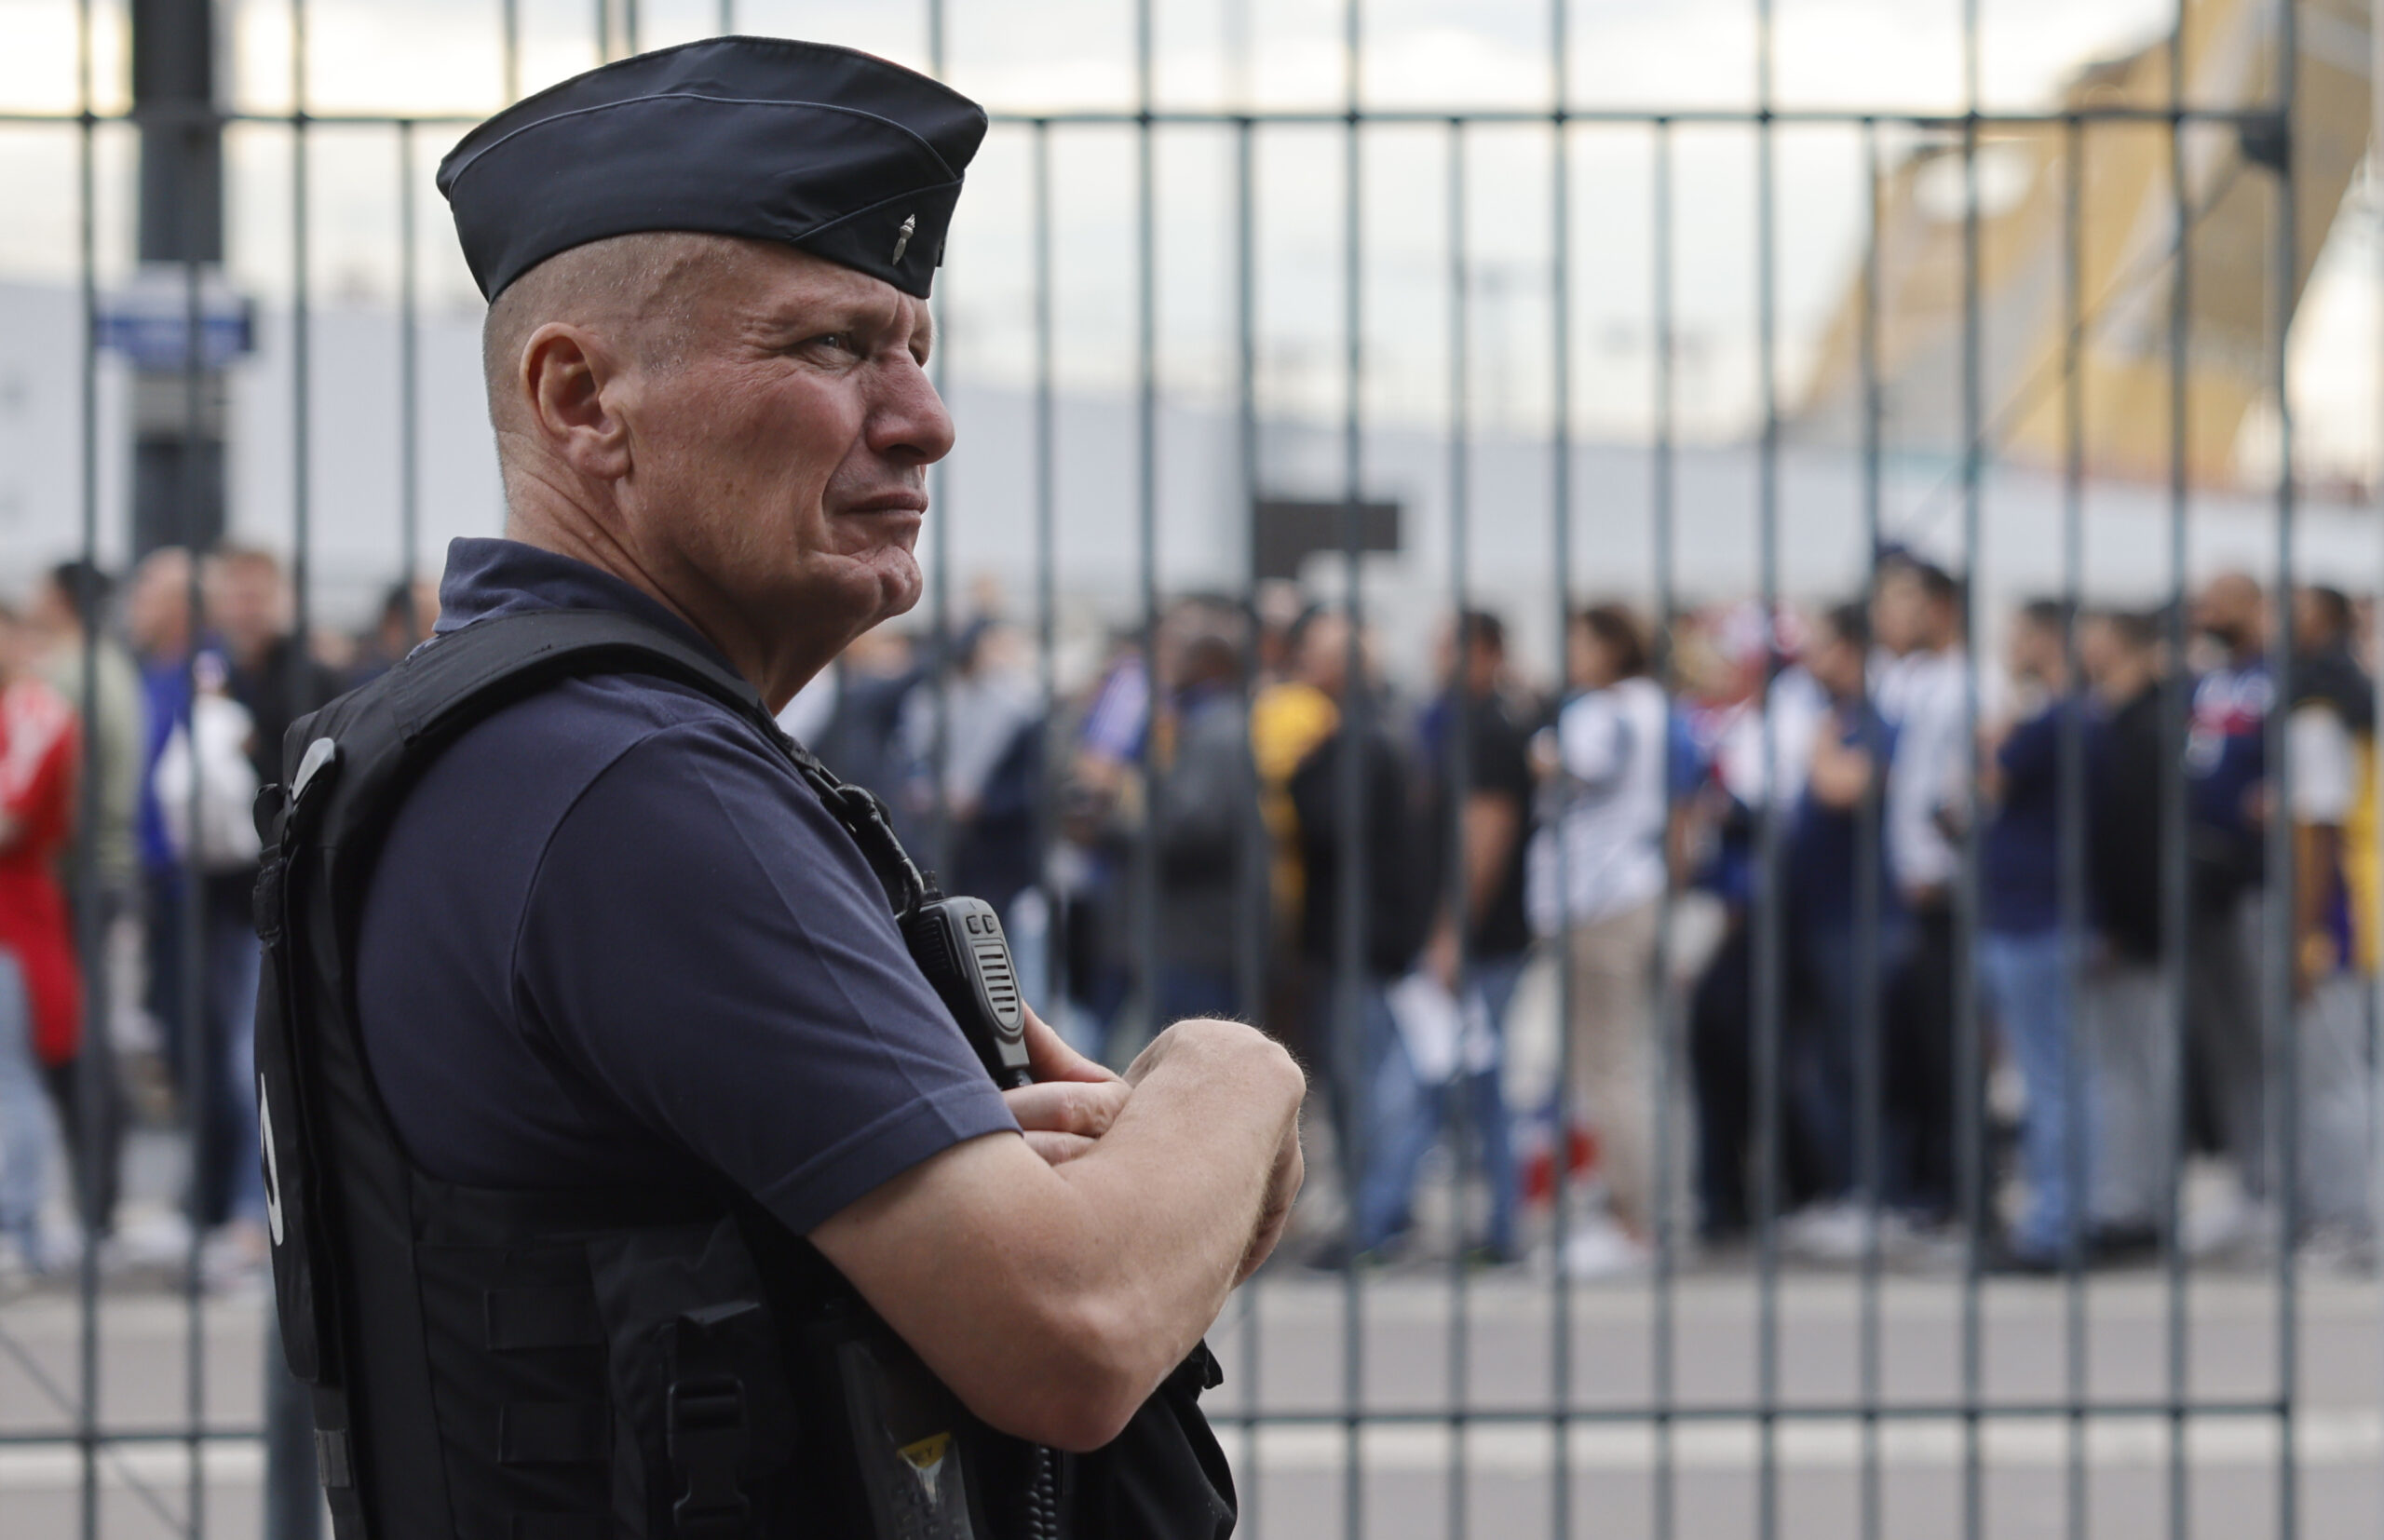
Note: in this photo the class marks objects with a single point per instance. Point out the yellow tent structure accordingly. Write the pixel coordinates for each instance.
(2125, 247)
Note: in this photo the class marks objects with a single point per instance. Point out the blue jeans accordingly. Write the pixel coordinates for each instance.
(2026, 985)
(234, 958)
(27, 1132)
(1404, 1118)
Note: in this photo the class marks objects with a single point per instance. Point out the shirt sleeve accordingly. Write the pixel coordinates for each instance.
(1591, 739)
(2031, 750)
(2325, 774)
(1502, 760)
(710, 948)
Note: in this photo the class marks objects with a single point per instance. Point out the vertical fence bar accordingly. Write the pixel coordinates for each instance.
(1669, 1006)
(1353, 989)
(409, 387)
(1560, 451)
(1457, 772)
(1046, 636)
(302, 449)
(1255, 869)
(293, 1506)
(1970, 1051)
(196, 1033)
(2176, 915)
(87, 1278)
(938, 768)
(1144, 906)
(1869, 1030)
(2374, 189)
(2284, 845)
(726, 21)
(1769, 962)
(510, 44)
(2071, 820)
(1254, 929)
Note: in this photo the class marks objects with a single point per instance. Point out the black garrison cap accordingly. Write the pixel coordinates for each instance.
(836, 151)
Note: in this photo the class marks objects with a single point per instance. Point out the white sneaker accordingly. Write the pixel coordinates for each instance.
(159, 1237)
(2244, 1230)
(2344, 1251)
(236, 1259)
(1840, 1232)
(1601, 1249)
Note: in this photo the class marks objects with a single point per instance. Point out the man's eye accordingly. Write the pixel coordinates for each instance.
(837, 342)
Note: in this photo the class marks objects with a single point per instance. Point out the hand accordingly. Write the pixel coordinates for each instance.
(1290, 1164)
(1440, 955)
(1282, 1191)
(1072, 1101)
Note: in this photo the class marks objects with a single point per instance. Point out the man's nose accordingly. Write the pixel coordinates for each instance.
(909, 422)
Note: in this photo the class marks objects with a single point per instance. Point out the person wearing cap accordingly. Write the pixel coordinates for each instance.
(612, 941)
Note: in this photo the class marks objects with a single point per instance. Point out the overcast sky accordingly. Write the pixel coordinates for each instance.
(1027, 56)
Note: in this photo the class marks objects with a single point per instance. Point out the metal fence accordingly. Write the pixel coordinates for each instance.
(1710, 1396)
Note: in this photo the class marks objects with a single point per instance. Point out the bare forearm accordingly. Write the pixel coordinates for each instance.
(1053, 1299)
(1180, 1186)
(1493, 824)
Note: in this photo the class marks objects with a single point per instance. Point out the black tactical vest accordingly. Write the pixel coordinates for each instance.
(585, 1365)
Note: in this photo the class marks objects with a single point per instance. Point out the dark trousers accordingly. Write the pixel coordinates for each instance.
(95, 1152)
(1921, 1129)
(94, 1146)
(206, 1048)
(1722, 1074)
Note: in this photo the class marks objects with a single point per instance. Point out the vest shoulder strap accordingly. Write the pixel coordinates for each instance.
(372, 743)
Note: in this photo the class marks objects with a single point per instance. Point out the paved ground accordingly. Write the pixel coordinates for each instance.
(1284, 1348)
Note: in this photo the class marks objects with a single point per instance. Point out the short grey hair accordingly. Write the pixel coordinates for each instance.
(640, 288)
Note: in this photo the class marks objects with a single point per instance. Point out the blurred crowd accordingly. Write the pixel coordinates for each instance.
(1695, 937)
(1752, 916)
(133, 740)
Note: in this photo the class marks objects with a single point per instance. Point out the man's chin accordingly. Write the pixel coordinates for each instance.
(899, 586)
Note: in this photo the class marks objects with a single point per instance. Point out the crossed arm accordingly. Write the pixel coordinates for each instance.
(1052, 1281)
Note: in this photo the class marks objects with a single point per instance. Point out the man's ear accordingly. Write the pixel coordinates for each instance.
(564, 374)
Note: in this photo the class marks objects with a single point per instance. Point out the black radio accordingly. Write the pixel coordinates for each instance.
(959, 945)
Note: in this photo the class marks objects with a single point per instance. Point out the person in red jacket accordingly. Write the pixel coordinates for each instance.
(39, 741)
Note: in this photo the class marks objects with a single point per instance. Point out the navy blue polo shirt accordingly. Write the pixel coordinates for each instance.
(613, 938)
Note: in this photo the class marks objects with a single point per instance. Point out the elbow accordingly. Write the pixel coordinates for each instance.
(1083, 1382)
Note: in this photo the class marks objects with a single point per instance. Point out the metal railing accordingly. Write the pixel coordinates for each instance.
(1279, 1402)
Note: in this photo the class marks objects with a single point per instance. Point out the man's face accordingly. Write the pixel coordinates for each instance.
(245, 602)
(158, 611)
(1324, 654)
(2315, 626)
(779, 463)
(2229, 609)
(2036, 652)
(1837, 666)
(51, 618)
(1896, 611)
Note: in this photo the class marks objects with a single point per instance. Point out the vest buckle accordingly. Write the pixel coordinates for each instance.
(708, 1438)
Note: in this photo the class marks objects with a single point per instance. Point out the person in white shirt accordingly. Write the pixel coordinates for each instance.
(2329, 736)
(1921, 688)
(1596, 877)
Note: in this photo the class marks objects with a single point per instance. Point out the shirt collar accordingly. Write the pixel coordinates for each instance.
(487, 579)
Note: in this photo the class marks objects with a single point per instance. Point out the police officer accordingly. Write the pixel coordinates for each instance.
(613, 941)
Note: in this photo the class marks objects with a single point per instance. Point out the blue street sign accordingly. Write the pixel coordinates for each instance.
(149, 323)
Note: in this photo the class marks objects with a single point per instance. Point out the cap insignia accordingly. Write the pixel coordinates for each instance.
(903, 239)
